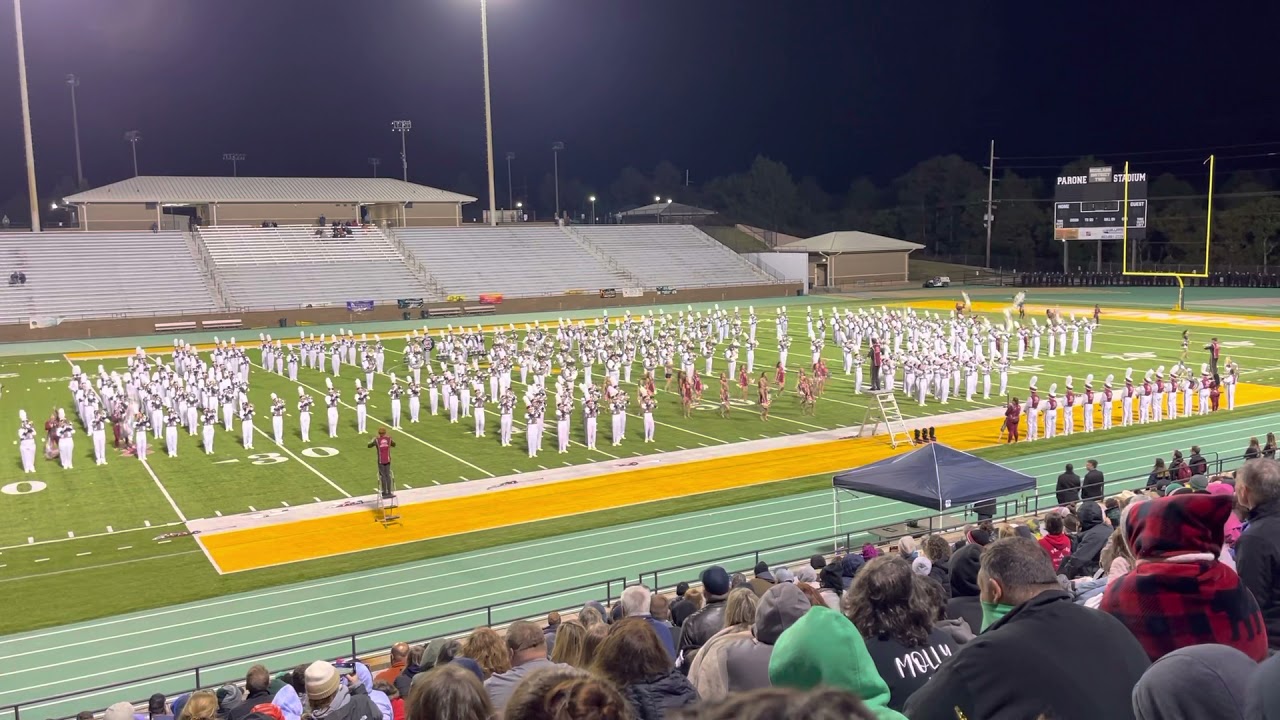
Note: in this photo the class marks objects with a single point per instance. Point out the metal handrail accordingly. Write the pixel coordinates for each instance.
(195, 672)
(934, 523)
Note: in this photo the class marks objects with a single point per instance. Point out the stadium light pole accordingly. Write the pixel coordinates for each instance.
(403, 127)
(989, 219)
(510, 202)
(73, 81)
(26, 119)
(488, 110)
(592, 199)
(375, 162)
(556, 147)
(234, 159)
(133, 136)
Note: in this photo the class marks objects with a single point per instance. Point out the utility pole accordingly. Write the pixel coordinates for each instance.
(74, 82)
(989, 218)
(375, 162)
(488, 110)
(32, 193)
(510, 202)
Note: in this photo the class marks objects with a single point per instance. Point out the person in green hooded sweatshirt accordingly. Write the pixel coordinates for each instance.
(823, 648)
(1039, 653)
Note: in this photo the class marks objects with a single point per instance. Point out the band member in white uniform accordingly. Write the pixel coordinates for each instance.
(1032, 410)
(246, 424)
(304, 414)
(590, 409)
(532, 429)
(1069, 409)
(1051, 412)
(477, 404)
(210, 422)
(1088, 403)
(395, 391)
(331, 401)
(1127, 398)
(26, 442)
(98, 427)
(506, 405)
(171, 423)
(141, 423)
(647, 406)
(415, 400)
(1108, 403)
(362, 400)
(277, 419)
(564, 409)
(1229, 380)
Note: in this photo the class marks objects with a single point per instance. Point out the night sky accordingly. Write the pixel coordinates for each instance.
(834, 89)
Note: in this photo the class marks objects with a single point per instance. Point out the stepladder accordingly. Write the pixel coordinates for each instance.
(387, 511)
(884, 410)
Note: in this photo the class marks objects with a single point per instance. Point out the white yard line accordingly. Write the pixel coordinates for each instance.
(305, 464)
(163, 491)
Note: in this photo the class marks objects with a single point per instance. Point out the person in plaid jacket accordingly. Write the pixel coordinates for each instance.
(1178, 593)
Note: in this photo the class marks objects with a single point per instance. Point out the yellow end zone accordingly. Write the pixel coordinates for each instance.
(278, 544)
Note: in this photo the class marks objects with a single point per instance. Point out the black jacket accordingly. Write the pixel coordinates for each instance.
(1091, 488)
(1068, 488)
(964, 603)
(1258, 564)
(680, 610)
(1087, 549)
(1198, 464)
(245, 708)
(698, 629)
(653, 698)
(1087, 668)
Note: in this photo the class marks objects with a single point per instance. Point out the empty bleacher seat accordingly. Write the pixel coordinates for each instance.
(293, 266)
(76, 274)
(681, 256)
(514, 261)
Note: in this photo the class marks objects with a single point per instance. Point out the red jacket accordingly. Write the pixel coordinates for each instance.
(1058, 547)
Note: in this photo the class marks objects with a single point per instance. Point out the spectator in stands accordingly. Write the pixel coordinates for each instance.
(707, 671)
(328, 698)
(763, 579)
(595, 635)
(773, 703)
(487, 648)
(938, 550)
(831, 586)
(1159, 477)
(119, 711)
(1269, 449)
(823, 648)
(1199, 466)
(849, 566)
(549, 632)
(1258, 549)
(634, 659)
(571, 644)
(660, 610)
(527, 647)
(393, 697)
(449, 692)
(964, 603)
(1092, 487)
(229, 696)
(1040, 655)
(1232, 528)
(399, 660)
(589, 616)
(157, 708)
(415, 664)
(1202, 681)
(807, 576)
(200, 705)
(566, 694)
(1254, 451)
(636, 601)
(257, 683)
(1179, 594)
(85, 715)
(701, 625)
(1068, 491)
(955, 628)
(1055, 540)
(890, 606)
(1088, 546)
(745, 656)
(681, 608)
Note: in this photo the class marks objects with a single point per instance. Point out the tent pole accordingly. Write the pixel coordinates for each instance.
(835, 521)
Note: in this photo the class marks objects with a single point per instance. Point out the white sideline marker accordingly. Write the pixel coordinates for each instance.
(125, 547)
(460, 477)
(82, 554)
(110, 529)
(218, 513)
(163, 542)
(284, 503)
(316, 499)
(437, 482)
(70, 534)
(253, 509)
(544, 467)
(407, 486)
(42, 559)
(681, 447)
(31, 540)
(147, 523)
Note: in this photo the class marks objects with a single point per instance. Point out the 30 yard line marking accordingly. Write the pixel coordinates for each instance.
(177, 511)
(305, 464)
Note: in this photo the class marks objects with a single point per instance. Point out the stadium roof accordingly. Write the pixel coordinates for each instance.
(849, 241)
(178, 189)
(662, 208)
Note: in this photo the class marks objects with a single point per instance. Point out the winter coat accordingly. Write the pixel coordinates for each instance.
(1258, 564)
(964, 603)
(747, 659)
(1058, 546)
(1047, 657)
(652, 698)
(1093, 538)
(708, 673)
(699, 627)
(349, 703)
(906, 669)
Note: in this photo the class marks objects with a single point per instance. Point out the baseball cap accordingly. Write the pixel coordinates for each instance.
(715, 580)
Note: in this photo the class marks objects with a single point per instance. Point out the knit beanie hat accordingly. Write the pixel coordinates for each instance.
(922, 566)
(321, 679)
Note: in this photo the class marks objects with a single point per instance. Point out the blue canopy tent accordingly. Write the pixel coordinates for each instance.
(933, 476)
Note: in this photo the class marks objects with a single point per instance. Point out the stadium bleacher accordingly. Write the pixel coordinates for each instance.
(95, 274)
(676, 255)
(261, 267)
(515, 261)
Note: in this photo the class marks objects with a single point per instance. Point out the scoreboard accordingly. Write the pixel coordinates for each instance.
(1091, 206)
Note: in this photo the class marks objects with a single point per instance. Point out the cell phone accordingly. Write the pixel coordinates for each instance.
(345, 664)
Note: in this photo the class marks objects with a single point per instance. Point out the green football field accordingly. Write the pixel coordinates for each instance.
(65, 528)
